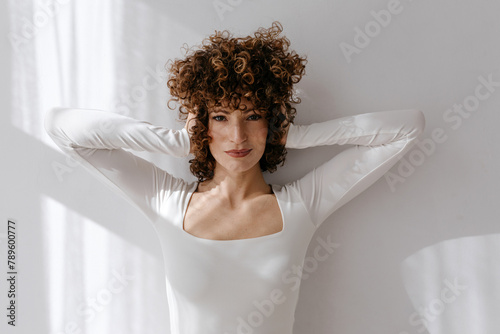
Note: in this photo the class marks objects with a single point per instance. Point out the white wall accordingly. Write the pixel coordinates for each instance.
(431, 56)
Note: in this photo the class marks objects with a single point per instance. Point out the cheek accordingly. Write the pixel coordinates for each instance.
(263, 134)
(215, 140)
(214, 136)
(215, 130)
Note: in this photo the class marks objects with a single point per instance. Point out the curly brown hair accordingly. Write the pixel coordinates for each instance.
(224, 69)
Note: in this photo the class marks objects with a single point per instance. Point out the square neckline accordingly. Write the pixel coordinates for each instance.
(259, 238)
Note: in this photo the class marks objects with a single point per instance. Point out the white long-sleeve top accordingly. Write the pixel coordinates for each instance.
(245, 285)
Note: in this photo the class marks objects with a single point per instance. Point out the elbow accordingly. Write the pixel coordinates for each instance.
(417, 123)
(51, 121)
(420, 122)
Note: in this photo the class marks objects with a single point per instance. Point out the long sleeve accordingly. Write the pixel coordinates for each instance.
(381, 139)
(97, 139)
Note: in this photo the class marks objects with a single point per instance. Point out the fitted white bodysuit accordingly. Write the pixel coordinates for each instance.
(245, 285)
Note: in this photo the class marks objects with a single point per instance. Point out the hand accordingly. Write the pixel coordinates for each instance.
(188, 126)
(285, 136)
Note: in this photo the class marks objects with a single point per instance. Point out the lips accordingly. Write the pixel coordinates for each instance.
(238, 153)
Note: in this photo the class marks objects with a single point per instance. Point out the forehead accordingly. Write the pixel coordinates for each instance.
(245, 105)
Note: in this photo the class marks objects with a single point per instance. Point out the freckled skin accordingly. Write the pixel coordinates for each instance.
(236, 179)
(249, 105)
(234, 131)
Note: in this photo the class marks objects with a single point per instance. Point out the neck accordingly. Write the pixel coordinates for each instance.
(236, 187)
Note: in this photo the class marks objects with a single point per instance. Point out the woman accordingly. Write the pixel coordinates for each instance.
(233, 245)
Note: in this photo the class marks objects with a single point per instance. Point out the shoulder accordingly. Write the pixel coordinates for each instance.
(172, 185)
(286, 192)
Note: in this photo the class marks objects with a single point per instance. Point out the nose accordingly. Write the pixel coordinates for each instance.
(238, 132)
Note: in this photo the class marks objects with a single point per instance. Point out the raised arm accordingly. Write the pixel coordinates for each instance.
(381, 139)
(97, 139)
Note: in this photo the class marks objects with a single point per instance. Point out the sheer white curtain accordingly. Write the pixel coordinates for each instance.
(101, 269)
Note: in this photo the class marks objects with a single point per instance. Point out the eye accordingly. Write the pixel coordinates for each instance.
(215, 117)
(257, 116)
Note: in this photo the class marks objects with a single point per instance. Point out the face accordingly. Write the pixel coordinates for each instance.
(237, 130)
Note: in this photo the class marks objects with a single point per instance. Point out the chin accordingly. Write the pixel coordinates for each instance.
(237, 166)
